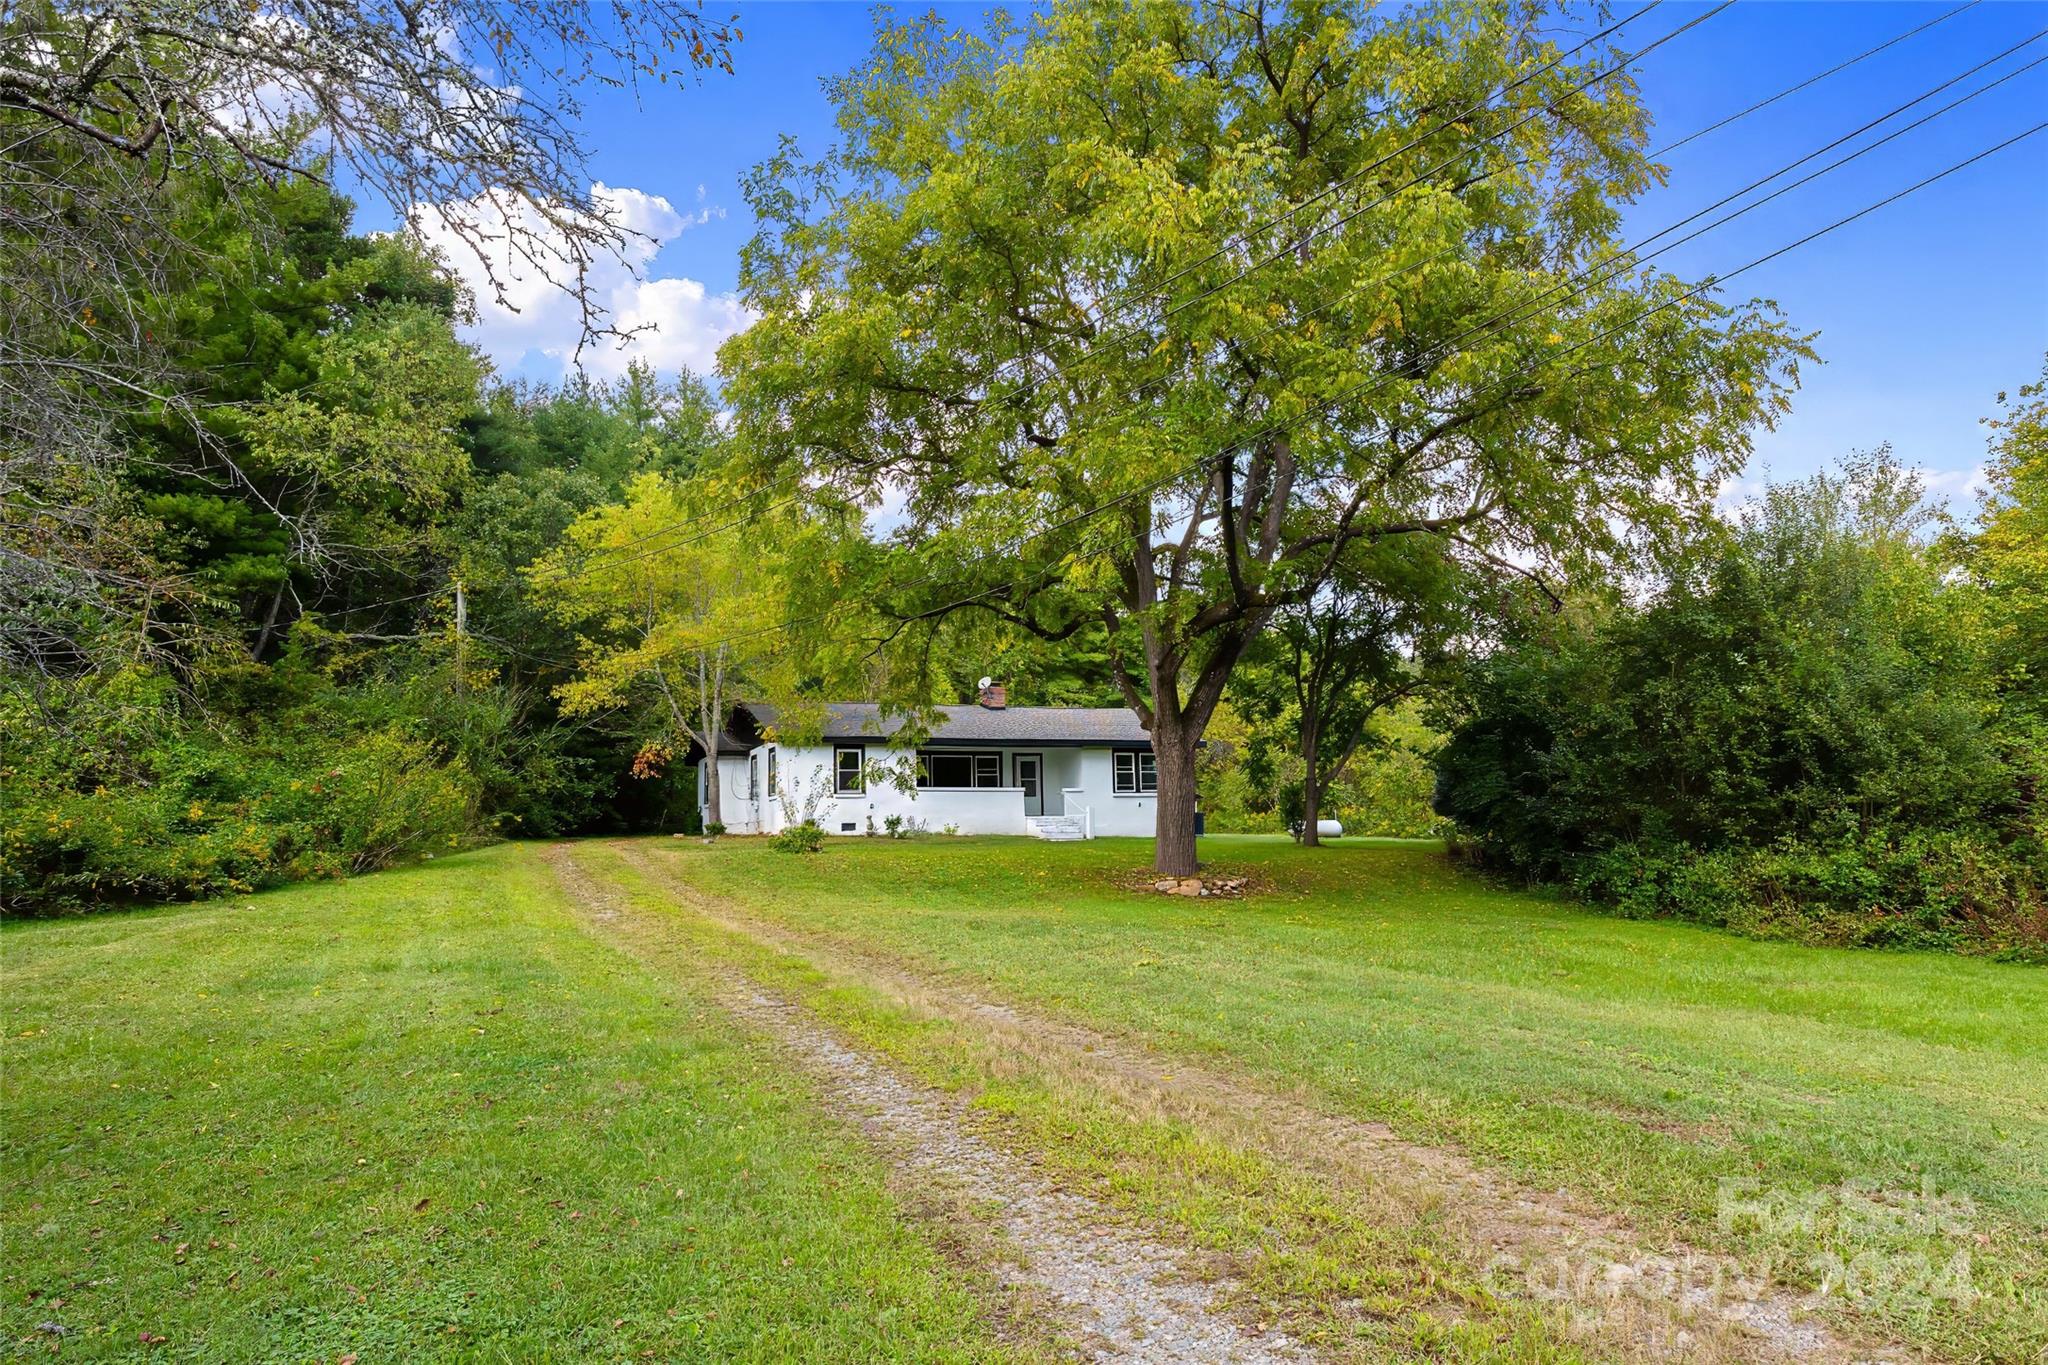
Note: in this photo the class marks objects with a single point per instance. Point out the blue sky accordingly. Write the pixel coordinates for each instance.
(1925, 310)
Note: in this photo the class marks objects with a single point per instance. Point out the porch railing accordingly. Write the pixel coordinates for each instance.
(1086, 814)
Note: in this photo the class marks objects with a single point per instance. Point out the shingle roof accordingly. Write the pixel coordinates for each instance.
(971, 724)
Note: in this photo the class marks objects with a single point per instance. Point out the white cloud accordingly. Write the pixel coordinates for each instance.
(528, 322)
(685, 322)
(1956, 487)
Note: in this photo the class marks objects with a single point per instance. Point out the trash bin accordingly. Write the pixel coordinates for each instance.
(1201, 823)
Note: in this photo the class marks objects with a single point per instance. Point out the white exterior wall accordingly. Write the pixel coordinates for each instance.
(739, 815)
(1074, 782)
(1109, 814)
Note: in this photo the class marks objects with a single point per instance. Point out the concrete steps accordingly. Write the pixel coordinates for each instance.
(1055, 827)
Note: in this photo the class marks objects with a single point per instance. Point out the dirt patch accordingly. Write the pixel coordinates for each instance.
(1671, 1302)
(1130, 1297)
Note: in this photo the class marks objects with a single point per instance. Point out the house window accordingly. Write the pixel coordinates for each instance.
(848, 779)
(1136, 773)
(771, 770)
(939, 768)
(753, 777)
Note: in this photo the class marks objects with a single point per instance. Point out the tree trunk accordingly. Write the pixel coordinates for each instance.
(713, 808)
(1311, 778)
(269, 622)
(711, 712)
(1173, 750)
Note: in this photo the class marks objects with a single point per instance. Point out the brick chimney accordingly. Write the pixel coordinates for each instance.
(994, 695)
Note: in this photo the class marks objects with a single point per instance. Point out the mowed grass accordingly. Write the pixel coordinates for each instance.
(424, 1116)
(1880, 1114)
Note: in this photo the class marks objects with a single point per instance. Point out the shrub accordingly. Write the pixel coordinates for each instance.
(806, 837)
(1944, 890)
(388, 796)
(112, 794)
(714, 829)
(1800, 734)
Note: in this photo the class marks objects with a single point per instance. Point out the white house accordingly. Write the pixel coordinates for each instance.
(1060, 772)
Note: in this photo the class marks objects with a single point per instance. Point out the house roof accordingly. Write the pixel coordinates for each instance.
(728, 743)
(1058, 725)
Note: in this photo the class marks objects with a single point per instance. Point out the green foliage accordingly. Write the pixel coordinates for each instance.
(2009, 554)
(346, 481)
(1799, 732)
(1952, 889)
(334, 389)
(1391, 784)
(1316, 687)
(113, 794)
(803, 837)
(1250, 783)
(673, 612)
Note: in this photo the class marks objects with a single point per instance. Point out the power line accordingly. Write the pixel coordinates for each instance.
(1816, 79)
(1628, 254)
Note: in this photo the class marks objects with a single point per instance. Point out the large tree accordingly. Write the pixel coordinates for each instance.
(1152, 312)
(674, 617)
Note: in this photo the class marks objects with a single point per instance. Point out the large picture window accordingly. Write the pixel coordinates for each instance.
(849, 771)
(1136, 773)
(941, 768)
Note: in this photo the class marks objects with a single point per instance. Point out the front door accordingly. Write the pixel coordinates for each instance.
(1027, 772)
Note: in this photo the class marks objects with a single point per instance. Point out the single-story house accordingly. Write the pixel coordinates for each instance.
(1059, 772)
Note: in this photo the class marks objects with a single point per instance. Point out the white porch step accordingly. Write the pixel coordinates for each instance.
(1055, 827)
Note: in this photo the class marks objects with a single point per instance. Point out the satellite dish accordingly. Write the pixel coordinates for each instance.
(988, 682)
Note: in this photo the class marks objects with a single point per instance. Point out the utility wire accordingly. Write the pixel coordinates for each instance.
(1789, 90)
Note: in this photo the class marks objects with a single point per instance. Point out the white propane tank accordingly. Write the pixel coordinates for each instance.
(1329, 829)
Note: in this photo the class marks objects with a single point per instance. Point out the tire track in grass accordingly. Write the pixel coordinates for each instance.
(1130, 1296)
(1675, 1302)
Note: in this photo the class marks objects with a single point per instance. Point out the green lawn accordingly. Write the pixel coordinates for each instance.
(427, 1114)
(423, 1116)
(1639, 1064)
